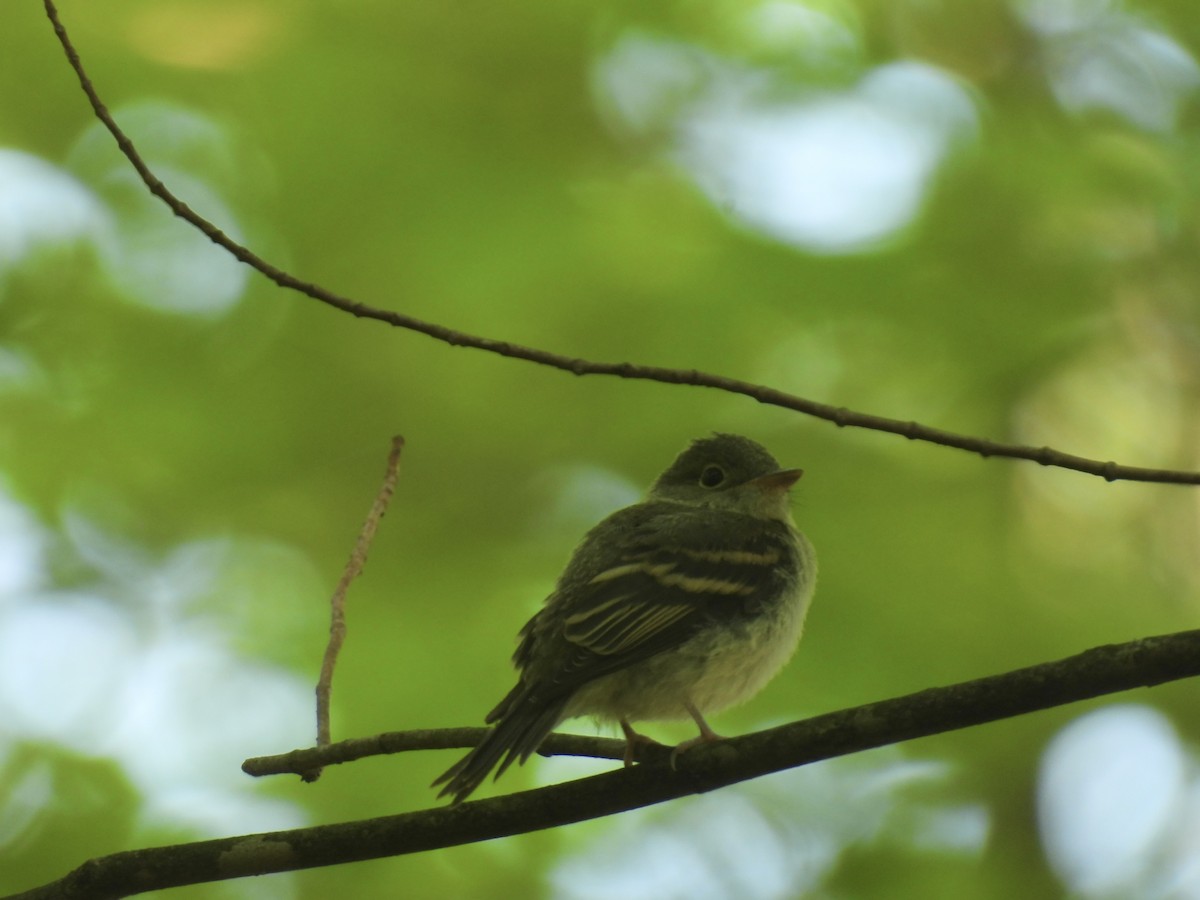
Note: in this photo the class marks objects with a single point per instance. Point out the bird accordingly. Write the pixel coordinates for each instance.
(676, 607)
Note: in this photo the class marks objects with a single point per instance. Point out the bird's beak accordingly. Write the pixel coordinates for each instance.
(777, 481)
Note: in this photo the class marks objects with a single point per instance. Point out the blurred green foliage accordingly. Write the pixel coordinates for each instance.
(188, 451)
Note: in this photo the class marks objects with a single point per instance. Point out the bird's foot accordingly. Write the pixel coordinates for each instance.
(706, 735)
(632, 739)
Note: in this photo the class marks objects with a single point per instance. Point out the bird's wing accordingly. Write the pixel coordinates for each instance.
(667, 573)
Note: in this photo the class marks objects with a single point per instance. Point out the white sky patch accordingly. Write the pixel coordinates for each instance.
(131, 668)
(41, 205)
(1117, 806)
(832, 171)
(1100, 57)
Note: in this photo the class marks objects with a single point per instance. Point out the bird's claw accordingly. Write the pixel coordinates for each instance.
(632, 739)
(708, 736)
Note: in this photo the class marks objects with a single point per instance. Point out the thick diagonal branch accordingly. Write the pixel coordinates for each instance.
(1094, 673)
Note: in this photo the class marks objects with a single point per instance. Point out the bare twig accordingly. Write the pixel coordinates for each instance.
(337, 603)
(840, 416)
(300, 762)
(1094, 673)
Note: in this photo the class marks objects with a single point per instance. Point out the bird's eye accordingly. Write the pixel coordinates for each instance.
(712, 476)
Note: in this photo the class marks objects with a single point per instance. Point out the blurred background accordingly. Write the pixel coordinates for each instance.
(979, 216)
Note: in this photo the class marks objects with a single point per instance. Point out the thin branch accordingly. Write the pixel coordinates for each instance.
(840, 416)
(1094, 673)
(337, 603)
(300, 762)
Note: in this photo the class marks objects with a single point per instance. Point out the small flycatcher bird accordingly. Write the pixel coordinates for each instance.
(679, 606)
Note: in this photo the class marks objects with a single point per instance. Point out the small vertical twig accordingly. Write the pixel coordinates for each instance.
(337, 603)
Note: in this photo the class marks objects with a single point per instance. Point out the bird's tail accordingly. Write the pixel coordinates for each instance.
(522, 723)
